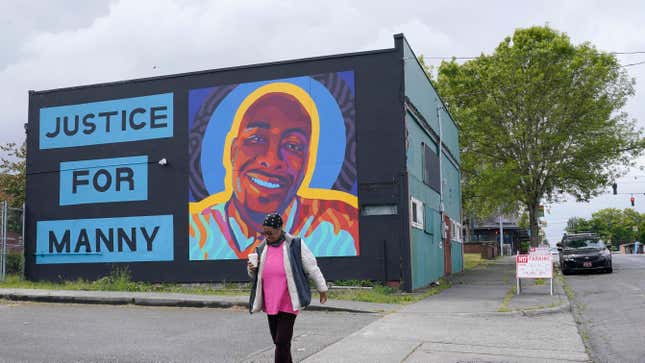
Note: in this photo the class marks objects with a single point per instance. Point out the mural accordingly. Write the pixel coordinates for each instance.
(286, 145)
(67, 235)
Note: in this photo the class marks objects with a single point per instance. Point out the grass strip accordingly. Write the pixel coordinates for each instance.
(507, 300)
(120, 280)
(388, 295)
(472, 260)
(538, 281)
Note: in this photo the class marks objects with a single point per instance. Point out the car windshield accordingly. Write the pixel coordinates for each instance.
(584, 243)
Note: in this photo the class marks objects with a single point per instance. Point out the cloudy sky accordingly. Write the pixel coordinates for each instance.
(51, 44)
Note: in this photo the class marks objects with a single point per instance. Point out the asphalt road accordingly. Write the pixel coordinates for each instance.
(40, 332)
(611, 310)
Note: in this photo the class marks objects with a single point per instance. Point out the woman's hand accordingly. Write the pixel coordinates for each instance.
(323, 297)
(250, 266)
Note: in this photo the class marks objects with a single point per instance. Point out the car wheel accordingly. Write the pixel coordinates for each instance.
(565, 272)
(610, 270)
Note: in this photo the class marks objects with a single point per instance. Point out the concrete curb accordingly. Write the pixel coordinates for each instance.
(155, 301)
(187, 303)
(341, 309)
(528, 312)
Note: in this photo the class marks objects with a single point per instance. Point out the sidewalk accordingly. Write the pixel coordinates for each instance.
(478, 319)
(173, 299)
(464, 323)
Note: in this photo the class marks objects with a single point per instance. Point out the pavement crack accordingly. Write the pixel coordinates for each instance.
(488, 346)
(411, 352)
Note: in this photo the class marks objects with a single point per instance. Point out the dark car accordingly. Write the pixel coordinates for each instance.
(584, 252)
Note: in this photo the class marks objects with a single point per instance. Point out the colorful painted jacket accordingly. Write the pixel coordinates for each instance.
(329, 227)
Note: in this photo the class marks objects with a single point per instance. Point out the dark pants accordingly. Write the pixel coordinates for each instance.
(281, 326)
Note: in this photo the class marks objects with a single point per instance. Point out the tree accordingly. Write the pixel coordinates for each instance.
(427, 68)
(577, 225)
(539, 119)
(13, 173)
(480, 199)
(612, 225)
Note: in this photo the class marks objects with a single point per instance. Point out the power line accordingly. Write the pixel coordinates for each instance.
(633, 64)
(471, 57)
(438, 57)
(633, 52)
(622, 65)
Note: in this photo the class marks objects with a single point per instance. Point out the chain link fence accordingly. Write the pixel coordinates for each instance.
(11, 240)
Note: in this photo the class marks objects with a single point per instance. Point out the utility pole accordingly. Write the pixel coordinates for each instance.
(501, 236)
(441, 205)
(3, 237)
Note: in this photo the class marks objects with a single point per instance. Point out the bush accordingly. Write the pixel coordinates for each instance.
(119, 279)
(524, 246)
(14, 263)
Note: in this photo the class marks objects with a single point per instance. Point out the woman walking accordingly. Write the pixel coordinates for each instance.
(280, 270)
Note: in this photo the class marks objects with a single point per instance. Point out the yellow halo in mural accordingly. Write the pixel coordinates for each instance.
(304, 190)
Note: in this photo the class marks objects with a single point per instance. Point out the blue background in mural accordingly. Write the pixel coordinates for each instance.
(87, 193)
(331, 145)
(162, 245)
(49, 115)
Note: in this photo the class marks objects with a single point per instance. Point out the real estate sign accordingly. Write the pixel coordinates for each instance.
(533, 266)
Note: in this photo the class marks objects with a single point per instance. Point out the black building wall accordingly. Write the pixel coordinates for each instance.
(380, 167)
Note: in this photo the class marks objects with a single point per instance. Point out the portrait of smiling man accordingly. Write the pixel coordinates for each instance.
(269, 155)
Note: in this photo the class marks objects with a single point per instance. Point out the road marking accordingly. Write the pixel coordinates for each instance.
(630, 287)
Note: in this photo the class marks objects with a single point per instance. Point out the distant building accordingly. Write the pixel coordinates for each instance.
(487, 230)
(631, 248)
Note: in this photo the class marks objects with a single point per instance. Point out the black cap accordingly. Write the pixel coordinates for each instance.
(273, 220)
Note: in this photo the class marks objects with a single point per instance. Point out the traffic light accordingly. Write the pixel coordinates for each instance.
(631, 199)
(615, 187)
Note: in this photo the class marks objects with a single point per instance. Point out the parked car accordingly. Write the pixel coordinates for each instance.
(584, 252)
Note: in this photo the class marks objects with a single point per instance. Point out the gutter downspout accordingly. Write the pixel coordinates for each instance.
(442, 208)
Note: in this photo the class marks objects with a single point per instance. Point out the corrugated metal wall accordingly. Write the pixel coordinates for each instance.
(422, 123)
(425, 244)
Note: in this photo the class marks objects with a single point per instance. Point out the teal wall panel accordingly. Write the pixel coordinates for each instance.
(425, 244)
(451, 189)
(419, 90)
(457, 256)
(426, 250)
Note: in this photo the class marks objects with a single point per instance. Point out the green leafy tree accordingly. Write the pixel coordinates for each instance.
(427, 68)
(609, 223)
(577, 225)
(613, 225)
(481, 194)
(13, 173)
(539, 118)
(523, 221)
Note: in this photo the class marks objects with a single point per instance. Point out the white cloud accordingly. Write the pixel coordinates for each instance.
(48, 46)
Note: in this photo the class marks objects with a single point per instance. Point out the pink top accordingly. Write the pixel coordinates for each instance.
(274, 283)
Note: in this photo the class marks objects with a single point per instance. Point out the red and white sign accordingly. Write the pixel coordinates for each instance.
(534, 266)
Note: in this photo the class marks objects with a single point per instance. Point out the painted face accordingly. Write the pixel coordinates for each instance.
(270, 153)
